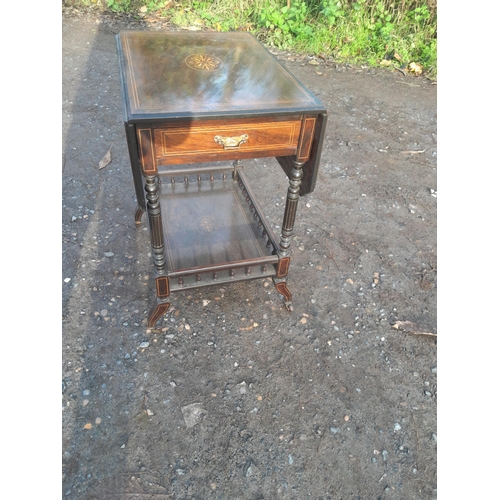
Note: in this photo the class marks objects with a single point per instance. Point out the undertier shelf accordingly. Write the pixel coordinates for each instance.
(214, 233)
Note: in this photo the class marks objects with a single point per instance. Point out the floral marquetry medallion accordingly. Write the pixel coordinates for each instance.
(203, 62)
(207, 225)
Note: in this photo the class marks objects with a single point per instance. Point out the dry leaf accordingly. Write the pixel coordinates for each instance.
(106, 159)
(397, 56)
(385, 62)
(415, 68)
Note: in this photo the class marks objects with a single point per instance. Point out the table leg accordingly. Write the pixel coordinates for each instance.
(158, 249)
(287, 231)
(155, 224)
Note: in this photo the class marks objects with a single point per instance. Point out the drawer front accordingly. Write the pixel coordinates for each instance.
(217, 140)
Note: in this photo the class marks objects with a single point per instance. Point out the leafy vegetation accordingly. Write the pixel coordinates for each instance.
(395, 33)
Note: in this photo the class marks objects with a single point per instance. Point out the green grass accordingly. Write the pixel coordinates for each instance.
(393, 33)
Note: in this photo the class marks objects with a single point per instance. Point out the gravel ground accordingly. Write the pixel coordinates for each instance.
(232, 396)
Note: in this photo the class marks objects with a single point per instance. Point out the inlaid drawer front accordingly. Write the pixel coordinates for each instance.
(202, 141)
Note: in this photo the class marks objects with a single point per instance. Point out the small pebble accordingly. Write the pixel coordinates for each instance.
(397, 427)
(109, 254)
(143, 345)
(98, 420)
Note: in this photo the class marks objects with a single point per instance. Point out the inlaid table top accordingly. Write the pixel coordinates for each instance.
(205, 74)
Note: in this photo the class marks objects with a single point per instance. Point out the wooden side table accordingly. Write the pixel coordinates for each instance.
(195, 98)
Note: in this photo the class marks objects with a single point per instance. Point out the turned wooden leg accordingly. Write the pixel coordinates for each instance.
(155, 224)
(292, 199)
(158, 250)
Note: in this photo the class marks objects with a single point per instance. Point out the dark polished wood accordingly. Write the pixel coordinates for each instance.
(161, 82)
(192, 98)
(183, 75)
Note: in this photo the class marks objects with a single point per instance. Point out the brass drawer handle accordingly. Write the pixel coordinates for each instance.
(231, 142)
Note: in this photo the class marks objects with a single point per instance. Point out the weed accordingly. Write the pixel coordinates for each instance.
(119, 5)
(358, 31)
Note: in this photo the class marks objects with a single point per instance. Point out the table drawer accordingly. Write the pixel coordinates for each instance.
(216, 139)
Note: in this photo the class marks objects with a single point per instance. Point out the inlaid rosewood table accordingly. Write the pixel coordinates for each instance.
(195, 105)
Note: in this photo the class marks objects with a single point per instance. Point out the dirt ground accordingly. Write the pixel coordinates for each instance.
(234, 397)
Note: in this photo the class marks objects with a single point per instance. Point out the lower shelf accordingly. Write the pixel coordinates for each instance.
(213, 234)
